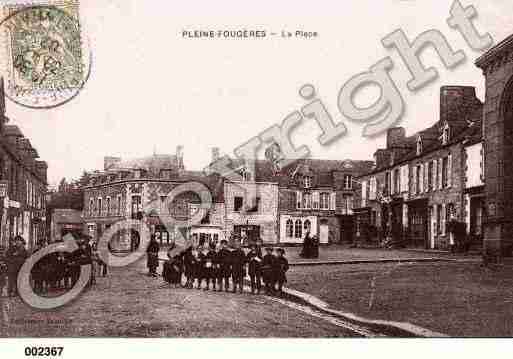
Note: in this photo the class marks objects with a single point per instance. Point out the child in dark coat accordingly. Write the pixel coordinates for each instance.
(189, 264)
(172, 272)
(254, 259)
(223, 261)
(238, 260)
(208, 272)
(268, 265)
(281, 266)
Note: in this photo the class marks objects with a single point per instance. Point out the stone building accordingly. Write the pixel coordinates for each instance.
(497, 67)
(252, 203)
(316, 196)
(23, 184)
(419, 181)
(307, 195)
(152, 190)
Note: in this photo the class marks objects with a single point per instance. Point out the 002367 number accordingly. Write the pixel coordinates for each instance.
(43, 351)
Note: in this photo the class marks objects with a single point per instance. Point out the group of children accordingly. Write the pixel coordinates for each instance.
(55, 271)
(217, 265)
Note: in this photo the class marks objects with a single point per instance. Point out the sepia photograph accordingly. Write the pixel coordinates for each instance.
(223, 171)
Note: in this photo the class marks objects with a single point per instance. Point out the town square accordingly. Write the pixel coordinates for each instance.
(164, 221)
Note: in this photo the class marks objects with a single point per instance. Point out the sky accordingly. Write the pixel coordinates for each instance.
(150, 89)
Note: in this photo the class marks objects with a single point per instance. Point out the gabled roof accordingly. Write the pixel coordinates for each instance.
(12, 130)
(148, 163)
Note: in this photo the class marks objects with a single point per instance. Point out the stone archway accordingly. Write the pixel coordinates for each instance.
(497, 66)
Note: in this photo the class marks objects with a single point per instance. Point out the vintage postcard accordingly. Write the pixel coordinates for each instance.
(232, 170)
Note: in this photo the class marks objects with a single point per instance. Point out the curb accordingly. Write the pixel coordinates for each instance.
(368, 261)
(389, 328)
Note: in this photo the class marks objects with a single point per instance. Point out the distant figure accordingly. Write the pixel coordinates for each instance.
(3, 271)
(153, 257)
(16, 256)
(254, 259)
(306, 252)
(281, 268)
(314, 251)
(223, 260)
(268, 265)
(238, 260)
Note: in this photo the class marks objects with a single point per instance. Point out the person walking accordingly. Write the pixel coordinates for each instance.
(153, 257)
(16, 256)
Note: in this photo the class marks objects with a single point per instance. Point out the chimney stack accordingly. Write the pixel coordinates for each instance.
(179, 156)
(215, 154)
(109, 162)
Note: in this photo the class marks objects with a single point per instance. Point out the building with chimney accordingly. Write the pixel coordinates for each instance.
(23, 184)
(138, 189)
(305, 196)
(422, 181)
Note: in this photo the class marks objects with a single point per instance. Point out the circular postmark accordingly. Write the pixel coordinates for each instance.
(46, 61)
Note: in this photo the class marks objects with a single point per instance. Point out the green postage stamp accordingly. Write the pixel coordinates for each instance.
(44, 64)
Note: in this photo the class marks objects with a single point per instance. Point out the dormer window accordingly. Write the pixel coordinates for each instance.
(445, 134)
(246, 176)
(307, 181)
(419, 146)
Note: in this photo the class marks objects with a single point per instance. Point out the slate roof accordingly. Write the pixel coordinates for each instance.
(155, 161)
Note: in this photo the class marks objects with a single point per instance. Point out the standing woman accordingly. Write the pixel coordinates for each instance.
(153, 257)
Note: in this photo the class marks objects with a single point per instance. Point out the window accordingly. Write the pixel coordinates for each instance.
(387, 183)
(136, 207)
(439, 219)
(417, 179)
(307, 226)
(99, 207)
(397, 181)
(256, 206)
(91, 207)
(348, 181)
(119, 205)
(445, 134)
(419, 146)
(237, 204)
(373, 187)
(307, 181)
(373, 216)
(108, 206)
(246, 176)
(298, 229)
(325, 200)
(449, 212)
(289, 228)
(430, 176)
(445, 174)
(307, 200)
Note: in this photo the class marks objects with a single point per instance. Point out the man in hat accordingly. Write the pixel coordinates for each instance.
(223, 260)
(281, 266)
(268, 265)
(16, 256)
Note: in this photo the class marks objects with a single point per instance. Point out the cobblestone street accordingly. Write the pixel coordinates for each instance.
(128, 304)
